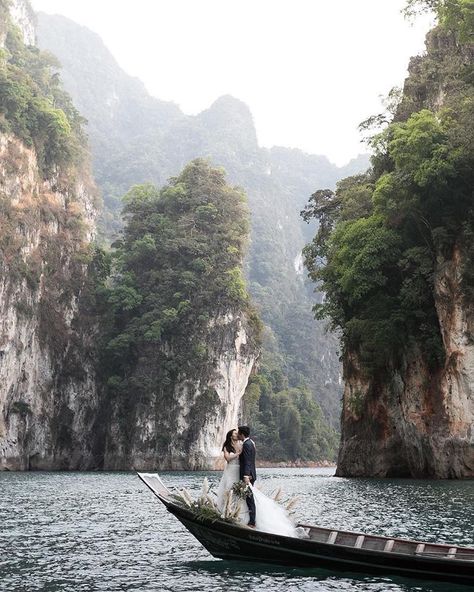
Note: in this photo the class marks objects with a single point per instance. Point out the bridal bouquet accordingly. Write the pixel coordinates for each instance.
(241, 490)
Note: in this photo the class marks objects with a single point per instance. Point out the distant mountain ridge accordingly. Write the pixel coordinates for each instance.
(136, 138)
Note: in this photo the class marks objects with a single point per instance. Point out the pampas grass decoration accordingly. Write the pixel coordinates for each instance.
(187, 497)
(205, 508)
(205, 488)
(184, 498)
(292, 503)
(210, 501)
(228, 503)
(277, 495)
(235, 512)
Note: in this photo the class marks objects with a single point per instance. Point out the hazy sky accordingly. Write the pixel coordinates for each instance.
(310, 70)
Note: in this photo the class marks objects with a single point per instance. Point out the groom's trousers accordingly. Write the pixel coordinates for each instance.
(251, 506)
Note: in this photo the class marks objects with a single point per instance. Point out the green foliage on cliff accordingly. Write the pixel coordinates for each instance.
(177, 274)
(382, 235)
(455, 15)
(33, 105)
(287, 423)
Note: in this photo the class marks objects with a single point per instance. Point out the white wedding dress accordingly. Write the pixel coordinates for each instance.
(270, 516)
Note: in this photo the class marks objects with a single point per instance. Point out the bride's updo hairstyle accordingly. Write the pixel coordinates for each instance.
(228, 442)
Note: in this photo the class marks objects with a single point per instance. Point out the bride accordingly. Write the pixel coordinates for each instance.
(270, 516)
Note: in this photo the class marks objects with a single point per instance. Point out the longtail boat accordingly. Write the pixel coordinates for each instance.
(323, 548)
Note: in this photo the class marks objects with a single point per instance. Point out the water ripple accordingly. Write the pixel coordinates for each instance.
(105, 532)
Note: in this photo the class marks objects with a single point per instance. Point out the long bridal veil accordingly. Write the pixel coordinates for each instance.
(271, 517)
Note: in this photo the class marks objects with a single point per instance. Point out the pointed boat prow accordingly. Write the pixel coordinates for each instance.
(153, 482)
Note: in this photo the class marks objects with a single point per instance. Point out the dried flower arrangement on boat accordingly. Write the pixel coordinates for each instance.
(205, 508)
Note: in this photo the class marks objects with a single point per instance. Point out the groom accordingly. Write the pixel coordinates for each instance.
(248, 473)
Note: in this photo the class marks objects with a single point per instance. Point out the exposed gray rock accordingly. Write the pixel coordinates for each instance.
(46, 407)
(234, 359)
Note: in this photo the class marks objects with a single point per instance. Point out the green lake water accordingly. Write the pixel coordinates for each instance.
(85, 532)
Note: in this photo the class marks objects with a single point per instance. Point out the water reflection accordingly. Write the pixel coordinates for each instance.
(227, 574)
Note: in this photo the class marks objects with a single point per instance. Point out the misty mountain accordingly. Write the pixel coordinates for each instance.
(136, 138)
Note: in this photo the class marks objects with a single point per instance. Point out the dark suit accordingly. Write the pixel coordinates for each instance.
(247, 467)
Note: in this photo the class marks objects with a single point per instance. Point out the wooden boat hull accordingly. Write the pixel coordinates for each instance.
(226, 541)
(405, 558)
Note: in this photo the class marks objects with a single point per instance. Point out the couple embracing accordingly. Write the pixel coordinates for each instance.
(260, 511)
(239, 452)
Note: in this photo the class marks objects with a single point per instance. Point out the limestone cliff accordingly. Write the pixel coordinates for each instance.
(418, 423)
(183, 336)
(187, 434)
(416, 418)
(47, 221)
(22, 16)
(47, 380)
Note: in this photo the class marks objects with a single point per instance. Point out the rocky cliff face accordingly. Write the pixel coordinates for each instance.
(418, 423)
(456, 319)
(187, 434)
(47, 389)
(50, 403)
(47, 380)
(416, 420)
(23, 17)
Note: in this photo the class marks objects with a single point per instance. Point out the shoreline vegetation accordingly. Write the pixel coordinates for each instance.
(288, 464)
(262, 464)
(295, 464)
